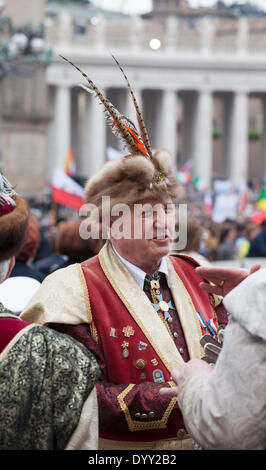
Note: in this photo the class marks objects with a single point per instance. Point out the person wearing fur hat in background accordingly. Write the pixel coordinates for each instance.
(47, 378)
(134, 306)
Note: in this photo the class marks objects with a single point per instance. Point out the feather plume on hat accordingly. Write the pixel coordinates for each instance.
(142, 173)
(14, 217)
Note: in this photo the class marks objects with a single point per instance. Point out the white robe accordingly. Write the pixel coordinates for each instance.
(226, 409)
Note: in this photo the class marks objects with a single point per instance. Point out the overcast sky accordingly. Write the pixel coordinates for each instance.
(140, 6)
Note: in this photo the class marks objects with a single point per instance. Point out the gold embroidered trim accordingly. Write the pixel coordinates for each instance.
(193, 343)
(143, 426)
(94, 332)
(85, 292)
(162, 444)
(195, 315)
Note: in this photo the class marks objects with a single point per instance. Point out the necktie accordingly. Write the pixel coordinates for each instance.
(169, 316)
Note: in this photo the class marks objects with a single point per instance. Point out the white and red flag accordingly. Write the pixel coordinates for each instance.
(66, 191)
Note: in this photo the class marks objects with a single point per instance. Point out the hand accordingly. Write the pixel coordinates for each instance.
(224, 279)
(190, 368)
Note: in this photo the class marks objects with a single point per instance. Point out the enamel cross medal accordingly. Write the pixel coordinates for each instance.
(163, 306)
(159, 304)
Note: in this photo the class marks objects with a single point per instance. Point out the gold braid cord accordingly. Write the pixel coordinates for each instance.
(139, 425)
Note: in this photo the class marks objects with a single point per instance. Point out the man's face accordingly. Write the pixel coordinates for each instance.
(144, 233)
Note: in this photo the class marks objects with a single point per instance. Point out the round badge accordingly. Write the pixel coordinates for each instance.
(163, 306)
(140, 363)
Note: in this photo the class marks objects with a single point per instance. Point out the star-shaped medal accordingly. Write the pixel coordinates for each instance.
(163, 306)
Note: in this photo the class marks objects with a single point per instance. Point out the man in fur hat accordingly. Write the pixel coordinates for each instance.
(134, 306)
(47, 379)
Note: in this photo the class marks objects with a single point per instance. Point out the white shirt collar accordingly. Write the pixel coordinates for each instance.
(137, 273)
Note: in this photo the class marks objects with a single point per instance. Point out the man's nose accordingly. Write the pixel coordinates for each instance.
(160, 219)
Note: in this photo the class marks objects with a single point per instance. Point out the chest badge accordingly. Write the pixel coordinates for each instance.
(161, 305)
(128, 331)
(142, 346)
(112, 333)
(158, 376)
(125, 345)
(140, 364)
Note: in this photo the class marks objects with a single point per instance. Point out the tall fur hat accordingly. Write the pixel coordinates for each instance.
(143, 173)
(131, 179)
(14, 216)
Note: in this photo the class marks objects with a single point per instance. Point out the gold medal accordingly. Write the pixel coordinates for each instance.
(155, 284)
(163, 306)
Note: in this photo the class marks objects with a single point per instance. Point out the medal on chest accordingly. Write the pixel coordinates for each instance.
(159, 304)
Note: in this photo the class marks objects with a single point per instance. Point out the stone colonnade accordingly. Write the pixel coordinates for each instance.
(79, 122)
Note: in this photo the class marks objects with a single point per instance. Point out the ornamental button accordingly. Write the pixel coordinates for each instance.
(151, 414)
(181, 434)
(140, 363)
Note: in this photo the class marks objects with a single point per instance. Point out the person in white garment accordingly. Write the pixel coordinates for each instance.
(224, 405)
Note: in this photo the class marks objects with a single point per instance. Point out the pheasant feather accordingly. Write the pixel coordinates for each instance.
(142, 127)
(120, 125)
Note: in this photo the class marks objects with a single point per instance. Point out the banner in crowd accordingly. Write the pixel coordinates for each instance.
(66, 191)
(70, 165)
(225, 207)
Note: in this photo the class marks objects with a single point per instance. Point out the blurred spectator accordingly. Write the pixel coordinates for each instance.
(23, 266)
(245, 236)
(47, 394)
(193, 239)
(44, 248)
(24, 279)
(227, 245)
(209, 244)
(69, 243)
(258, 244)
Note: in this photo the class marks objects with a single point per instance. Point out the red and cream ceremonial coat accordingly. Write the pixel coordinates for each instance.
(111, 314)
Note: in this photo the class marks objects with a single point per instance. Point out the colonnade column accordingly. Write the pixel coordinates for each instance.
(94, 137)
(167, 124)
(202, 137)
(238, 140)
(264, 139)
(62, 124)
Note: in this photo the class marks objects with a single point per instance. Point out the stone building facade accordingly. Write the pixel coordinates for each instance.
(202, 90)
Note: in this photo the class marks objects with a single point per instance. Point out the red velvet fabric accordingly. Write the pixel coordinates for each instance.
(9, 328)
